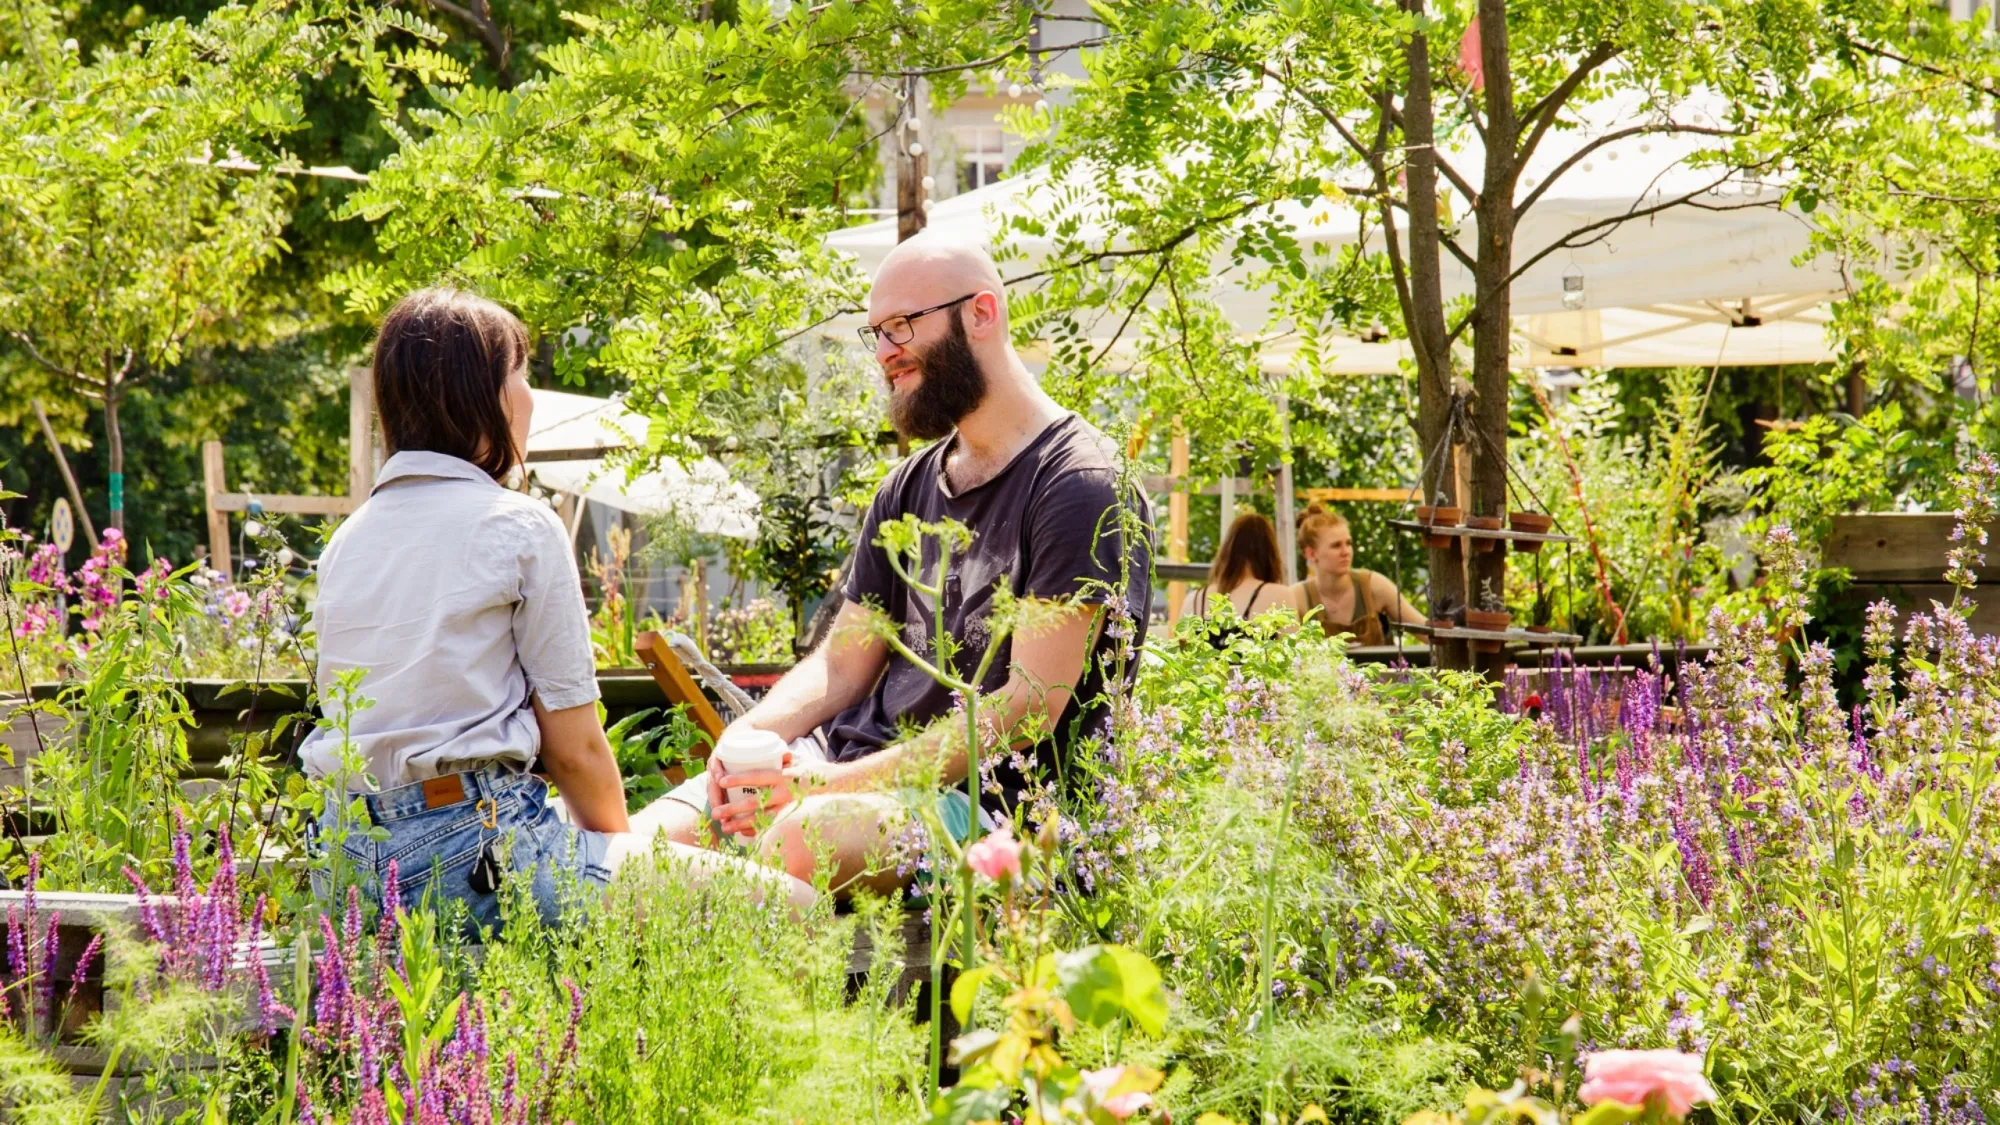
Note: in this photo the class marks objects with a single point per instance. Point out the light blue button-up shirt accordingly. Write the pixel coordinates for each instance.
(460, 601)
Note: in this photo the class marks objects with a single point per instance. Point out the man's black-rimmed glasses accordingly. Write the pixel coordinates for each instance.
(899, 329)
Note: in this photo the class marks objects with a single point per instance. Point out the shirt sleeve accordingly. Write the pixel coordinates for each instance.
(1078, 539)
(551, 625)
(870, 581)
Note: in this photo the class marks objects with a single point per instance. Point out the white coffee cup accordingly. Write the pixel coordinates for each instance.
(744, 749)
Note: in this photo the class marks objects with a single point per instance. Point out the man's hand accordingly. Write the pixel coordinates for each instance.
(777, 789)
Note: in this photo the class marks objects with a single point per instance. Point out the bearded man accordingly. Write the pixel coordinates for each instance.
(1051, 519)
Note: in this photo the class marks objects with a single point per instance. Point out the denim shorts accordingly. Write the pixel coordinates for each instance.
(434, 850)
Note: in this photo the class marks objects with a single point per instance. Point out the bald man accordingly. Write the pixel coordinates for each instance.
(1040, 489)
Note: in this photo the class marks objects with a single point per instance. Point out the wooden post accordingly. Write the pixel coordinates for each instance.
(911, 166)
(69, 478)
(214, 484)
(1227, 489)
(360, 433)
(1177, 520)
(1288, 528)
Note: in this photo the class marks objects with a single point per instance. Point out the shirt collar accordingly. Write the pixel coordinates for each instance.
(421, 463)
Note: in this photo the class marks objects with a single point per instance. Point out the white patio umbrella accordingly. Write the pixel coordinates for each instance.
(581, 430)
(1727, 279)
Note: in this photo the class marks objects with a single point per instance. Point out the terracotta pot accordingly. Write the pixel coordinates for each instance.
(1541, 630)
(1438, 517)
(1443, 623)
(1486, 523)
(1488, 620)
(1535, 523)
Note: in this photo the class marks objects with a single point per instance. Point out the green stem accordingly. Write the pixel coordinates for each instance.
(1269, 954)
(103, 1080)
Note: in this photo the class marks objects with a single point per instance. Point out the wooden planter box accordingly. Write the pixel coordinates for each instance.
(1901, 556)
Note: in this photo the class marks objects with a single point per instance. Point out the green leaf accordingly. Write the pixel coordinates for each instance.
(1609, 1113)
(963, 1105)
(965, 990)
(1105, 982)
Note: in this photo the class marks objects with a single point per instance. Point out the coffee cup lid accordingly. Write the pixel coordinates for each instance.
(749, 742)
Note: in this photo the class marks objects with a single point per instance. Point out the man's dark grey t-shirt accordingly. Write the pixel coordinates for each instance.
(1048, 526)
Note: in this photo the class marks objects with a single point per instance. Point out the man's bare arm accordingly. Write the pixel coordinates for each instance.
(1047, 666)
(832, 678)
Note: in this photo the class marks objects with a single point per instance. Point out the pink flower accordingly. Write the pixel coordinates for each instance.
(996, 856)
(1630, 1077)
(235, 603)
(1100, 1083)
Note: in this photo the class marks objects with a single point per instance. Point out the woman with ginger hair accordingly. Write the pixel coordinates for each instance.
(1341, 598)
(1245, 576)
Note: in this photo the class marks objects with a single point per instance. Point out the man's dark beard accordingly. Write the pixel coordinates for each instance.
(950, 385)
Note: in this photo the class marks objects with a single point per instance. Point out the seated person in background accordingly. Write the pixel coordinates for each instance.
(1245, 574)
(1040, 489)
(1336, 595)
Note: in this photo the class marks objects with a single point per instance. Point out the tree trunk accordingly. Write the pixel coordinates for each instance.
(1492, 327)
(1427, 332)
(1857, 389)
(115, 441)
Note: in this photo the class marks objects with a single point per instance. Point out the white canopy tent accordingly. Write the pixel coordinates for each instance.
(572, 434)
(1726, 278)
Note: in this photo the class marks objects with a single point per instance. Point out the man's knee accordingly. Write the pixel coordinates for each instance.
(842, 831)
(671, 820)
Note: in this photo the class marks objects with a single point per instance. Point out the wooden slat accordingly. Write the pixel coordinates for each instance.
(1917, 597)
(1898, 546)
(286, 505)
(680, 687)
(1328, 495)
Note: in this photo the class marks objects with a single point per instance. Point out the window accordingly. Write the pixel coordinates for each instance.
(982, 156)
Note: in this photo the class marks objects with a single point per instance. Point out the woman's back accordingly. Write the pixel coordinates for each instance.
(460, 599)
(1251, 598)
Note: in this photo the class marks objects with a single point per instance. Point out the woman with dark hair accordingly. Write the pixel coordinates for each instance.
(1244, 578)
(457, 602)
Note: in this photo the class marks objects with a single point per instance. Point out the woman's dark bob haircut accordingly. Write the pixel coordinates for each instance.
(441, 359)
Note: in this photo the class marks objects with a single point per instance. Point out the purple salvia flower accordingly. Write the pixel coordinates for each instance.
(84, 962)
(260, 975)
(17, 944)
(45, 990)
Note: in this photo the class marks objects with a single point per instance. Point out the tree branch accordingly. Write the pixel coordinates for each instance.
(1179, 237)
(1577, 157)
(1542, 114)
(981, 64)
(1927, 68)
(479, 17)
(1604, 227)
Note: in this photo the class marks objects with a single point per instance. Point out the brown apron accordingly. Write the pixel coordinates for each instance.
(1366, 628)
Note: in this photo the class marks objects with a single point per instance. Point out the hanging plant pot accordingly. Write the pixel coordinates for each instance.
(1438, 516)
(1486, 523)
(1534, 523)
(1494, 621)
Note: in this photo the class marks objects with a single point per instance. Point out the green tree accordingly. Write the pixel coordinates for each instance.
(653, 206)
(1200, 119)
(123, 239)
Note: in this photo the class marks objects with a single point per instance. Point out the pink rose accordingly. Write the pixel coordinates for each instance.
(997, 856)
(1630, 1077)
(1121, 1106)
